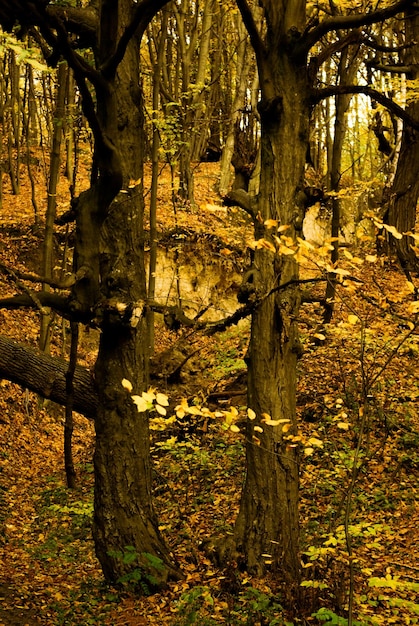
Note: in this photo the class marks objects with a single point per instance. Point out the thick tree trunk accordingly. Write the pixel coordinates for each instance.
(124, 519)
(405, 193)
(405, 189)
(267, 523)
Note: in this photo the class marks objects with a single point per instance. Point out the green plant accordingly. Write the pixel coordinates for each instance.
(262, 608)
(193, 606)
(331, 619)
(140, 576)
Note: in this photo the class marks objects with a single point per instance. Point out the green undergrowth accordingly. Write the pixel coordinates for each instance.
(198, 472)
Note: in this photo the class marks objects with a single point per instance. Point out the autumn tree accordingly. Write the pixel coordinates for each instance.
(404, 192)
(108, 287)
(267, 527)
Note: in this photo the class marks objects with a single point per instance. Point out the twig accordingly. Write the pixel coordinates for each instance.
(35, 278)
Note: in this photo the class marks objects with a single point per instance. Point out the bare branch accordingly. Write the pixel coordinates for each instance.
(252, 29)
(240, 198)
(46, 375)
(38, 300)
(34, 278)
(327, 92)
(144, 13)
(344, 22)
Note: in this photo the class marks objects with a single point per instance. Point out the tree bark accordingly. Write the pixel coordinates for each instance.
(267, 522)
(46, 376)
(124, 518)
(405, 189)
(110, 276)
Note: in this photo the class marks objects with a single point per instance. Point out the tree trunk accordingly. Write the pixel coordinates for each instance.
(405, 189)
(346, 73)
(54, 175)
(124, 519)
(242, 80)
(268, 523)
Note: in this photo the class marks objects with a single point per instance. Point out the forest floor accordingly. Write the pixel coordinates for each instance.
(358, 394)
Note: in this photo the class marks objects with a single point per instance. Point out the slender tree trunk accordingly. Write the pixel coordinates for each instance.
(70, 471)
(31, 136)
(15, 123)
(346, 75)
(157, 70)
(70, 163)
(54, 173)
(243, 69)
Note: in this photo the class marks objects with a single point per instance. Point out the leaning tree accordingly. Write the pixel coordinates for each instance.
(108, 287)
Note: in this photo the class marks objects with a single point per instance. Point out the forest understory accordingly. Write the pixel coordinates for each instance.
(358, 395)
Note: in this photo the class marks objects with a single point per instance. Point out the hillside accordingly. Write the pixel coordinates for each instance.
(357, 404)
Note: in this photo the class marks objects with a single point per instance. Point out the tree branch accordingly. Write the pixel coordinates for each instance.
(143, 14)
(37, 300)
(34, 278)
(46, 376)
(320, 94)
(240, 198)
(82, 22)
(252, 29)
(344, 22)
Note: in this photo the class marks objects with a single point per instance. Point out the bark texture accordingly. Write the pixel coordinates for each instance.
(267, 523)
(405, 189)
(46, 376)
(109, 275)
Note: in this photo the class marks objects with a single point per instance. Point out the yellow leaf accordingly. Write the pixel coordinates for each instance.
(305, 244)
(160, 409)
(285, 250)
(414, 307)
(320, 336)
(140, 403)
(410, 286)
(318, 443)
(283, 227)
(371, 258)
(343, 425)
(270, 223)
(340, 271)
(258, 429)
(148, 396)
(393, 231)
(162, 399)
(251, 414)
(286, 428)
(234, 428)
(353, 319)
(264, 243)
(127, 384)
(308, 451)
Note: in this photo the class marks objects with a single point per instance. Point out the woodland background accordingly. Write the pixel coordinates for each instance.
(357, 383)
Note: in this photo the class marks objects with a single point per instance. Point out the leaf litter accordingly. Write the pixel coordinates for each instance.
(367, 358)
